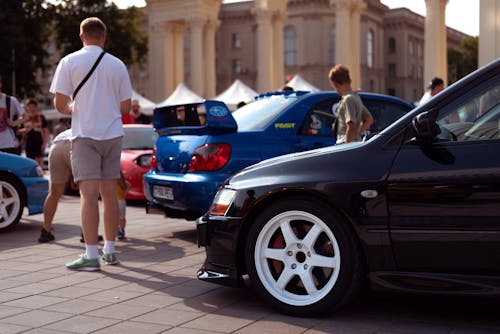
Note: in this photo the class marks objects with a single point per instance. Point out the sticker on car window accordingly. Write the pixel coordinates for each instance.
(284, 125)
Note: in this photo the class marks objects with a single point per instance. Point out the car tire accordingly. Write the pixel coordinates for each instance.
(11, 202)
(303, 258)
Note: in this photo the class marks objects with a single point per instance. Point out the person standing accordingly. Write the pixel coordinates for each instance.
(97, 134)
(35, 132)
(435, 86)
(11, 116)
(60, 171)
(353, 118)
(139, 117)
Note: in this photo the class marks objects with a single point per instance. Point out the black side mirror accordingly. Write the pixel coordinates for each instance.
(425, 127)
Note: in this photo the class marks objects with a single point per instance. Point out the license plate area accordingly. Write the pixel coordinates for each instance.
(163, 192)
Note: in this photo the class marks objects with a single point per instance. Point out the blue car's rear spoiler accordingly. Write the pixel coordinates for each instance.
(205, 117)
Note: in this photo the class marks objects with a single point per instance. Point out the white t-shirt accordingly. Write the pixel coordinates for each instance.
(65, 135)
(8, 138)
(96, 109)
(426, 97)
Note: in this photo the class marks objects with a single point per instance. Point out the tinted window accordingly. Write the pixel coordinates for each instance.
(474, 116)
(320, 119)
(258, 114)
(384, 113)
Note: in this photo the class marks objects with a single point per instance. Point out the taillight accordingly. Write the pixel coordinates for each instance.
(210, 157)
(153, 158)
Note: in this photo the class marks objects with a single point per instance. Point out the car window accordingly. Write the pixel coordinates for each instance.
(476, 116)
(258, 114)
(384, 113)
(140, 138)
(319, 120)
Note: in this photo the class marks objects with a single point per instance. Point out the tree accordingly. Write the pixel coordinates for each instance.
(124, 37)
(24, 35)
(464, 61)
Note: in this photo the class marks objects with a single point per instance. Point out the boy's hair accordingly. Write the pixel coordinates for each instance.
(31, 101)
(93, 27)
(339, 74)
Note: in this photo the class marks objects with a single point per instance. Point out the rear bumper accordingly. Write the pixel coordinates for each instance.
(191, 192)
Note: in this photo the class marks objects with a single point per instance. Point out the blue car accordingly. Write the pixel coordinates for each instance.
(22, 184)
(191, 159)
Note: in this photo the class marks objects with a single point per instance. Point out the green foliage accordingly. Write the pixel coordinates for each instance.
(464, 61)
(124, 38)
(24, 35)
(29, 26)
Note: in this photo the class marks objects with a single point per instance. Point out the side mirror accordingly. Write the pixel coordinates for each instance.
(425, 127)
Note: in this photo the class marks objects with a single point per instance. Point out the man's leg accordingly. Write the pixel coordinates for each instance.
(89, 195)
(50, 205)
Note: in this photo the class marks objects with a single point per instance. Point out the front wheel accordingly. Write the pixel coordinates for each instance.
(303, 258)
(11, 202)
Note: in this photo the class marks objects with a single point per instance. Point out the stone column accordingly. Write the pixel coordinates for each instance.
(278, 56)
(264, 50)
(357, 7)
(435, 54)
(209, 42)
(343, 54)
(197, 83)
(158, 61)
(178, 50)
(489, 31)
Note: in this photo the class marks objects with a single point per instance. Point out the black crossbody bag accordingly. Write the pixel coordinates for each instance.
(88, 75)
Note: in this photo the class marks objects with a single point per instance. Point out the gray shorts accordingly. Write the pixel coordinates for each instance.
(96, 159)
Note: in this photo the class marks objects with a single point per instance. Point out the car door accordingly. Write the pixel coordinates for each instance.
(444, 198)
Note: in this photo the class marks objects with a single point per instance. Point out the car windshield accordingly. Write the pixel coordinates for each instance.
(140, 138)
(256, 115)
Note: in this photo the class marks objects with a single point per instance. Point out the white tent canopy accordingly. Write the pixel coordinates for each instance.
(236, 93)
(146, 105)
(299, 83)
(182, 94)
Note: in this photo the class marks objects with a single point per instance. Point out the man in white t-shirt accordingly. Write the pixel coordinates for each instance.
(9, 120)
(97, 135)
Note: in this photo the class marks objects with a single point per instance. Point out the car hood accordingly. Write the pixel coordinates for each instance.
(290, 165)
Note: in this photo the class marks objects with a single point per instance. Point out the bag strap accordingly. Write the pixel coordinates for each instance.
(7, 104)
(88, 75)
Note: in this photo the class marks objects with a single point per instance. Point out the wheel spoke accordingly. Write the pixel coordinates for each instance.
(322, 261)
(285, 277)
(308, 281)
(312, 236)
(275, 254)
(288, 233)
(3, 212)
(8, 201)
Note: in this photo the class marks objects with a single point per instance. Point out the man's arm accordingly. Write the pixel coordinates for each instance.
(61, 103)
(365, 125)
(350, 132)
(125, 106)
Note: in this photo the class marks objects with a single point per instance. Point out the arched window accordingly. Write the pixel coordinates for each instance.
(369, 49)
(331, 46)
(290, 46)
(392, 45)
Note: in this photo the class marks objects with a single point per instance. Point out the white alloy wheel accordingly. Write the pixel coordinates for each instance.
(11, 206)
(297, 258)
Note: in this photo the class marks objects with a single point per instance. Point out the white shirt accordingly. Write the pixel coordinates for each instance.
(8, 138)
(96, 109)
(426, 97)
(65, 135)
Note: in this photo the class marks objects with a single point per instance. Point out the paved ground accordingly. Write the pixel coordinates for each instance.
(154, 290)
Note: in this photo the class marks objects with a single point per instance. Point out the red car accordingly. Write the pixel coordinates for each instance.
(135, 161)
(137, 152)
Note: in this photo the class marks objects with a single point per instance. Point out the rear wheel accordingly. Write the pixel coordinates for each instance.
(303, 258)
(11, 202)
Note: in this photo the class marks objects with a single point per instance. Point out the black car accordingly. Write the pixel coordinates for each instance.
(415, 208)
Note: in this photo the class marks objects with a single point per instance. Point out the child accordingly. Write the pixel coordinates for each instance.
(122, 187)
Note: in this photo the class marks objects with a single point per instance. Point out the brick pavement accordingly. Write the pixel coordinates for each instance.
(154, 290)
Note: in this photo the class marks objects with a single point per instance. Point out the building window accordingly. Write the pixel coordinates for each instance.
(290, 46)
(369, 49)
(392, 45)
(331, 46)
(412, 71)
(419, 49)
(236, 66)
(411, 47)
(236, 40)
(420, 72)
(392, 70)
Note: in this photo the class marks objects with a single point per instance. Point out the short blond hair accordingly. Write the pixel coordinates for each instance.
(339, 74)
(93, 27)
